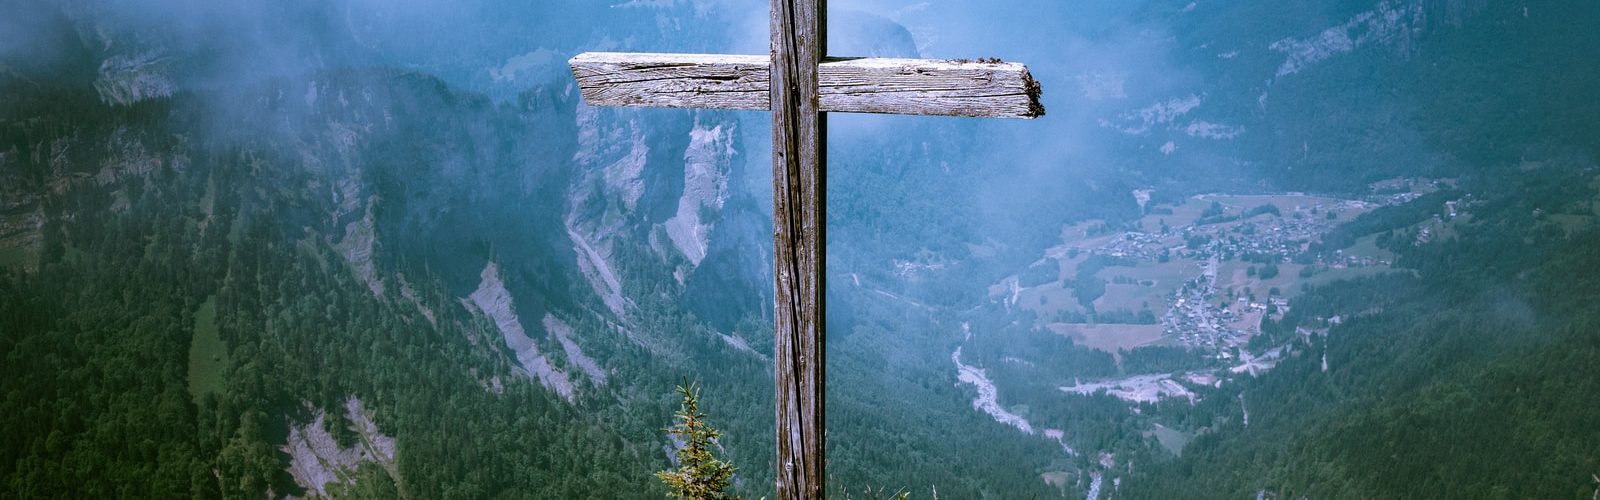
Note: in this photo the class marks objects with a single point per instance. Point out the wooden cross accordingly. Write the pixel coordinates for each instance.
(798, 85)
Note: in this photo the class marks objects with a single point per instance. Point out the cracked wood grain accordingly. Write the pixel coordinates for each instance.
(799, 176)
(847, 85)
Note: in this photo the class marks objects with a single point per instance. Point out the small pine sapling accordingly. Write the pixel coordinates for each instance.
(700, 474)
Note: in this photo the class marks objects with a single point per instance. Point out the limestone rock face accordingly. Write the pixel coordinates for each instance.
(316, 460)
(356, 247)
(706, 163)
(604, 200)
(575, 355)
(1396, 24)
(127, 79)
(494, 301)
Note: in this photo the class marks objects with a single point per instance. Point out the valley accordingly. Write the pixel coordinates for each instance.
(1193, 278)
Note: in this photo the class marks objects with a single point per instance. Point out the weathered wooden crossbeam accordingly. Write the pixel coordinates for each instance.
(850, 85)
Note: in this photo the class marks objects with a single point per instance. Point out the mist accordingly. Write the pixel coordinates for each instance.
(1092, 60)
(1129, 104)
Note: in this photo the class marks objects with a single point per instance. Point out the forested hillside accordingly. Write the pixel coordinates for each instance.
(102, 374)
(1473, 377)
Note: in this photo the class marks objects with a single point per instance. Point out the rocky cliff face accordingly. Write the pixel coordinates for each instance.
(356, 246)
(706, 164)
(611, 157)
(37, 184)
(22, 217)
(1393, 24)
(127, 79)
(317, 461)
(630, 174)
(492, 300)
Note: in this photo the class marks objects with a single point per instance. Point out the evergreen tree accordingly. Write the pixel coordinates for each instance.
(700, 474)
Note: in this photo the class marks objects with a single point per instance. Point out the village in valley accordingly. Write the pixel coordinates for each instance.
(1201, 273)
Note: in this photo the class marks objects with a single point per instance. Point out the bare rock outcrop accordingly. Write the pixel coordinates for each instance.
(705, 189)
(611, 158)
(494, 301)
(1396, 24)
(575, 356)
(127, 79)
(316, 461)
(356, 248)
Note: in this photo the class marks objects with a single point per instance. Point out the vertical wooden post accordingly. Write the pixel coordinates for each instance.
(798, 181)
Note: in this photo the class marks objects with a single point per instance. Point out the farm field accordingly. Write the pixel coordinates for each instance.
(1108, 337)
